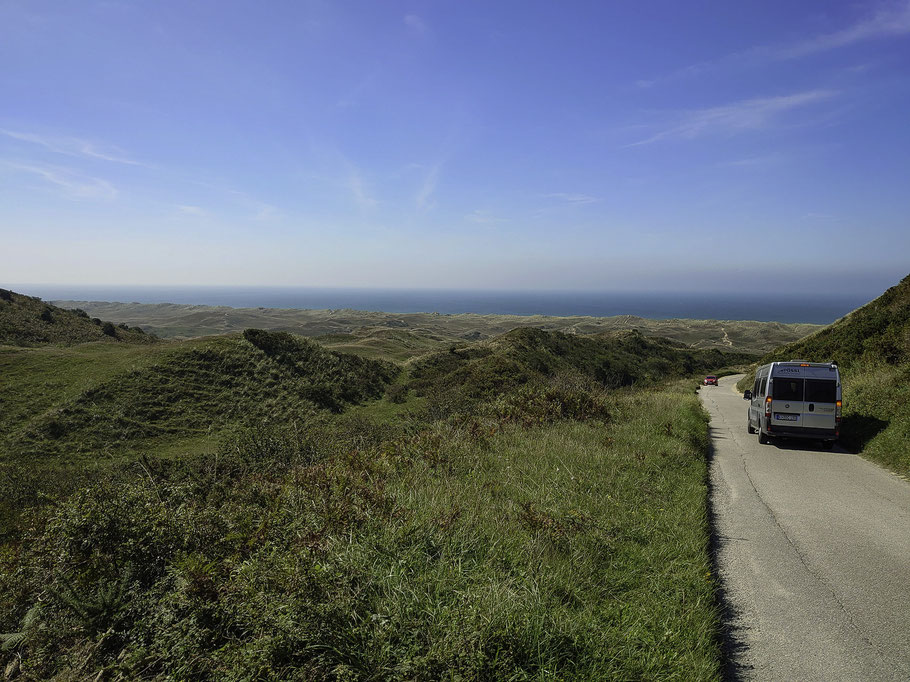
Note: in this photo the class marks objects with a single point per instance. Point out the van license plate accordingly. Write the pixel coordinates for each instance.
(787, 417)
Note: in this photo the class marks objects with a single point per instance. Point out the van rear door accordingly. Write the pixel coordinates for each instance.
(820, 401)
(787, 407)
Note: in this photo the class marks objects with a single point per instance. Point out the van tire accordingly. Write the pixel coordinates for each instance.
(827, 445)
(750, 427)
(762, 438)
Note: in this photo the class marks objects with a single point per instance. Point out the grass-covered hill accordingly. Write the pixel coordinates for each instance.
(93, 400)
(533, 506)
(523, 355)
(368, 332)
(872, 347)
(878, 332)
(29, 321)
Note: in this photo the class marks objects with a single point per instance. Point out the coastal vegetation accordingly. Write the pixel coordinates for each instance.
(29, 321)
(260, 506)
(404, 335)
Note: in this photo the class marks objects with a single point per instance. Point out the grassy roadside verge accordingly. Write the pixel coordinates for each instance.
(524, 543)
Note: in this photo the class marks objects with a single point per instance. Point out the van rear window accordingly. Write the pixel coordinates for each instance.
(821, 390)
(784, 388)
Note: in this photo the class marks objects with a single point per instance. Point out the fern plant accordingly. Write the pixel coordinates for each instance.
(10, 641)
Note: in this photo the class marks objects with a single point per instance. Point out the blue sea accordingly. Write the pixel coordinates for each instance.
(820, 309)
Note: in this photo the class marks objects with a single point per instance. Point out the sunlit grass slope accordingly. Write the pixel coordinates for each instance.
(560, 533)
(100, 399)
(872, 347)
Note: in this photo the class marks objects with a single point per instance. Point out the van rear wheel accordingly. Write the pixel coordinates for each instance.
(827, 445)
(762, 438)
(750, 427)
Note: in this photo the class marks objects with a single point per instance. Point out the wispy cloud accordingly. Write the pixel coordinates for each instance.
(745, 115)
(354, 95)
(751, 161)
(72, 146)
(428, 188)
(889, 22)
(266, 212)
(572, 198)
(416, 24)
(196, 211)
(483, 217)
(239, 200)
(73, 184)
(358, 188)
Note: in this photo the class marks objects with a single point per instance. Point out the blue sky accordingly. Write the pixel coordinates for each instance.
(515, 145)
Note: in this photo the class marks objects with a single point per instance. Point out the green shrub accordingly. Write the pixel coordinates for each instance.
(397, 393)
(561, 399)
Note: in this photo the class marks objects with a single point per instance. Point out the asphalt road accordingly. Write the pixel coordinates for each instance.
(813, 553)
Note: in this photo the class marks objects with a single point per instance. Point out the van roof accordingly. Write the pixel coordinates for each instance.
(810, 370)
(797, 363)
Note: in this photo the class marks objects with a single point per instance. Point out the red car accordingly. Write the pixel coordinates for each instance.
(710, 380)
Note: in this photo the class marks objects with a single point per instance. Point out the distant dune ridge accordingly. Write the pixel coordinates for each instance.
(169, 320)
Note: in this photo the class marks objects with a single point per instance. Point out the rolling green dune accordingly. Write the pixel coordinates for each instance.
(261, 505)
(363, 331)
(93, 401)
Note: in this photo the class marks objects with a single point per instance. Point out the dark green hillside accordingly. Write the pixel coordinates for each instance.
(879, 332)
(189, 390)
(525, 355)
(872, 347)
(29, 321)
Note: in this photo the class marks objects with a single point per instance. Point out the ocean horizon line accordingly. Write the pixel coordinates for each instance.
(806, 308)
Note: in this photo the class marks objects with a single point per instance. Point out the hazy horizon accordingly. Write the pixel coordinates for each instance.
(818, 308)
(504, 146)
(867, 286)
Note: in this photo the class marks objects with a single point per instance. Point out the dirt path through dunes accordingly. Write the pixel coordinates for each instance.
(813, 552)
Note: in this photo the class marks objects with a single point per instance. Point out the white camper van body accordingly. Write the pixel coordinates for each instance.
(796, 399)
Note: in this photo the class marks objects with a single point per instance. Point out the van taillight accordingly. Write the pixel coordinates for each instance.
(768, 406)
(837, 410)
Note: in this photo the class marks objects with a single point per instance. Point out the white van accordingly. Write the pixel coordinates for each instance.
(796, 399)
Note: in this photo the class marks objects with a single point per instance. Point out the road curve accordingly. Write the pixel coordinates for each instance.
(813, 555)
